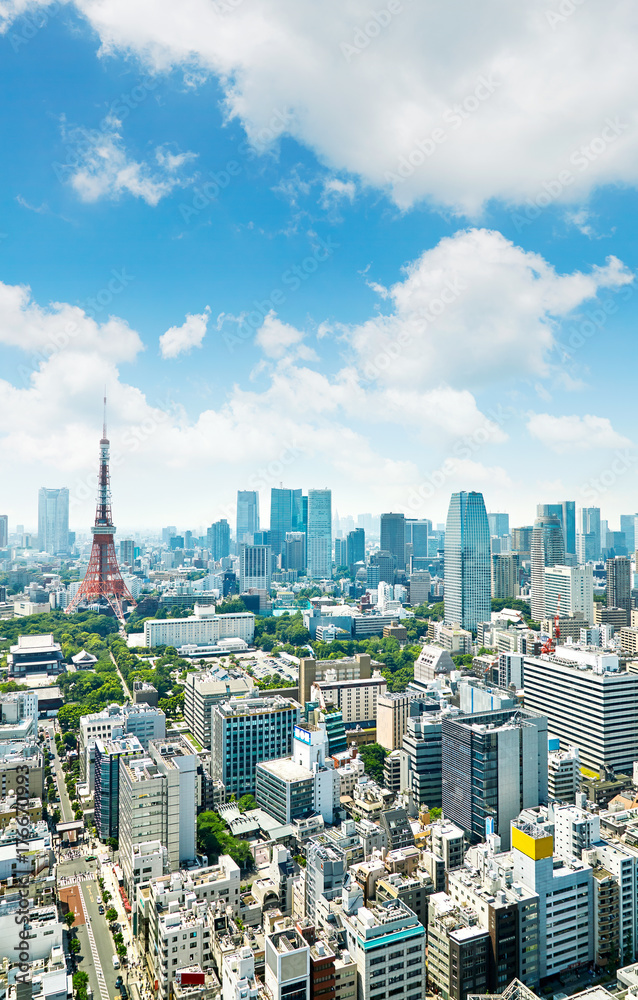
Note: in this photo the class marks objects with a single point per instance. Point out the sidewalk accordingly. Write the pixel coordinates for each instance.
(111, 883)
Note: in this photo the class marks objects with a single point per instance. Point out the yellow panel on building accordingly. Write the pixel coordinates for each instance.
(533, 847)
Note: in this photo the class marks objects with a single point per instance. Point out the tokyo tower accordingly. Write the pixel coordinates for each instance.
(103, 582)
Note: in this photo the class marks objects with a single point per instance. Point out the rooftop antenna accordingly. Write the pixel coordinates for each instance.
(104, 421)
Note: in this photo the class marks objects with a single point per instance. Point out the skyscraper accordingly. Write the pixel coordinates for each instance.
(589, 524)
(619, 583)
(286, 514)
(393, 537)
(247, 515)
(53, 520)
(467, 561)
(566, 514)
(4, 531)
(499, 524)
(356, 546)
(320, 534)
(548, 549)
(218, 539)
(254, 567)
(294, 554)
(627, 526)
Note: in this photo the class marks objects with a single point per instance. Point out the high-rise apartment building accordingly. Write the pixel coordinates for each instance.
(505, 570)
(320, 534)
(127, 552)
(294, 552)
(393, 537)
(392, 719)
(548, 549)
(218, 539)
(467, 561)
(245, 732)
(247, 515)
(53, 520)
(4, 531)
(387, 940)
(255, 563)
(494, 764)
(619, 583)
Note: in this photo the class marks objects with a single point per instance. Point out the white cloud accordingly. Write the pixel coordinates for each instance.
(278, 340)
(335, 191)
(181, 339)
(473, 310)
(573, 433)
(516, 91)
(102, 167)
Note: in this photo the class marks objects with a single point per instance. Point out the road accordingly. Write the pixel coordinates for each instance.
(65, 802)
(119, 674)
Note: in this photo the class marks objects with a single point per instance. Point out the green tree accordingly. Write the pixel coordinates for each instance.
(69, 717)
(436, 813)
(111, 914)
(69, 918)
(247, 802)
(74, 946)
(373, 755)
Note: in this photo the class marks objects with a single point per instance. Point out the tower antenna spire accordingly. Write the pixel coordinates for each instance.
(103, 583)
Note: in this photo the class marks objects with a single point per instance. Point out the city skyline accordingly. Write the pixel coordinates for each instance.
(260, 300)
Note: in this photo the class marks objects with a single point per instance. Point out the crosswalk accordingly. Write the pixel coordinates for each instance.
(104, 993)
(67, 880)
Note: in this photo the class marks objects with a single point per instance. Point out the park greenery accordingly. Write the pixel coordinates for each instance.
(214, 838)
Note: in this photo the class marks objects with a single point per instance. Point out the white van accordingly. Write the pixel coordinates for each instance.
(116, 962)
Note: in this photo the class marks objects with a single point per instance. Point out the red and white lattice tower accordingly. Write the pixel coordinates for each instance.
(103, 581)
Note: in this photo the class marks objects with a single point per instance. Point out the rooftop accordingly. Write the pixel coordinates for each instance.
(286, 769)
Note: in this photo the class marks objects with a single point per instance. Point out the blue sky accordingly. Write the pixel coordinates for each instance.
(395, 262)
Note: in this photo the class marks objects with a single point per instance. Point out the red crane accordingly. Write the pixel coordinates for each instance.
(550, 645)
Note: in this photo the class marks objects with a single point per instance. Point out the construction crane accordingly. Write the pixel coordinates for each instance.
(550, 645)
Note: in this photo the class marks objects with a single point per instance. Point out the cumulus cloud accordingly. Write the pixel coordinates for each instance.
(470, 311)
(574, 433)
(181, 339)
(278, 340)
(406, 101)
(335, 191)
(102, 167)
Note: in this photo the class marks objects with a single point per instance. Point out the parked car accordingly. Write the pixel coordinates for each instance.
(101, 910)
(118, 982)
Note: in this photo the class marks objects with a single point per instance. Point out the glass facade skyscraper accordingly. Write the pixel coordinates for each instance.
(548, 549)
(393, 537)
(467, 561)
(247, 515)
(286, 514)
(53, 520)
(320, 534)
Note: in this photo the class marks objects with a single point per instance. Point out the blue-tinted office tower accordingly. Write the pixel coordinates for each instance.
(499, 524)
(467, 561)
(286, 514)
(565, 512)
(320, 534)
(247, 515)
(356, 546)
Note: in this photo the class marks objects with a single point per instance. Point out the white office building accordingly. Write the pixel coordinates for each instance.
(201, 629)
(589, 703)
(575, 585)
